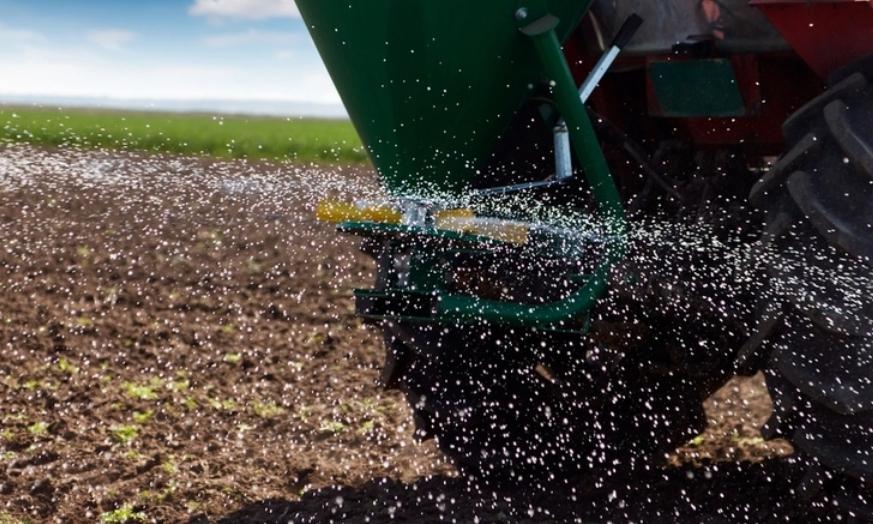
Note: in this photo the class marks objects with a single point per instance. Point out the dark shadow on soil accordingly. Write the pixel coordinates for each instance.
(721, 493)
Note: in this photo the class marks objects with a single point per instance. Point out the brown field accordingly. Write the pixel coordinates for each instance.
(177, 344)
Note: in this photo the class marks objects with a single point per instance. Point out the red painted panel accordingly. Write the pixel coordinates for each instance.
(827, 34)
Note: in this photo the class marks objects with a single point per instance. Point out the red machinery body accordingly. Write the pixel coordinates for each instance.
(781, 52)
(826, 34)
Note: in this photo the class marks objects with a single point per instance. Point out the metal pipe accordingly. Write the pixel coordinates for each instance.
(563, 153)
(561, 136)
(599, 71)
(563, 159)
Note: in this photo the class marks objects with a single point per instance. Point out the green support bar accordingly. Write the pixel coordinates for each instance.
(587, 148)
(583, 137)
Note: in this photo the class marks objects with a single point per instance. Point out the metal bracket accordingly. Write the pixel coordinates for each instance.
(561, 134)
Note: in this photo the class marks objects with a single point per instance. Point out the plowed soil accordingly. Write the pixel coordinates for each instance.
(177, 343)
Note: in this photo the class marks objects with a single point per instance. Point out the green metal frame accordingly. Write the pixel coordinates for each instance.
(566, 313)
(587, 148)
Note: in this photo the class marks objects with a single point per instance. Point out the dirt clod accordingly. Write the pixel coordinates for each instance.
(42, 488)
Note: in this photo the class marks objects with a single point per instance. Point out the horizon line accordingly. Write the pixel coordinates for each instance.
(254, 107)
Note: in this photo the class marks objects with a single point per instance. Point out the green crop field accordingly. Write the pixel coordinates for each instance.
(299, 139)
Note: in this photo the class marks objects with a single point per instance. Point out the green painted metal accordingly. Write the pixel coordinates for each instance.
(430, 85)
(565, 313)
(697, 88)
(586, 146)
(583, 138)
(562, 314)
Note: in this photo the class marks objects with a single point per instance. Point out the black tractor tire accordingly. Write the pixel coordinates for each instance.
(816, 332)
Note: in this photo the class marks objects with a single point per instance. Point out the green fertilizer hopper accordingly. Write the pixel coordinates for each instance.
(431, 85)
(430, 105)
(530, 335)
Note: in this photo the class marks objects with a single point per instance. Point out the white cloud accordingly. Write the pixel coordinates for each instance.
(51, 71)
(111, 38)
(252, 36)
(33, 64)
(247, 9)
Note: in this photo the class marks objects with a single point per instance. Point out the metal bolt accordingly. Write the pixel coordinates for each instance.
(521, 14)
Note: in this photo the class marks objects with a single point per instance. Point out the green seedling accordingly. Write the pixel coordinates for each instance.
(123, 515)
(65, 367)
(170, 467)
(38, 429)
(125, 434)
(303, 413)
(233, 358)
(6, 518)
(698, 441)
(333, 426)
(140, 391)
(367, 427)
(267, 409)
(223, 405)
(315, 339)
(181, 384)
(747, 441)
(142, 417)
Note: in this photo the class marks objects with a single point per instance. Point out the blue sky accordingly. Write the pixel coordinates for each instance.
(159, 50)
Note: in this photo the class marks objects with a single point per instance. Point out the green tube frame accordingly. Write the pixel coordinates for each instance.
(593, 162)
